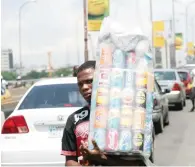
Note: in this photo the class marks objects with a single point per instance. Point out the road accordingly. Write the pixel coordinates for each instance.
(9, 104)
(16, 94)
(176, 145)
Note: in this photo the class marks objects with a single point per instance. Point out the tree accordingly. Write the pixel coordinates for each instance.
(7, 75)
(35, 75)
(32, 75)
(64, 71)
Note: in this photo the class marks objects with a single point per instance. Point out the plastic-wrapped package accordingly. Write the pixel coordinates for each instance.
(122, 98)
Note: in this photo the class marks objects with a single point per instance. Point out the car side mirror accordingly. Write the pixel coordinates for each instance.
(166, 91)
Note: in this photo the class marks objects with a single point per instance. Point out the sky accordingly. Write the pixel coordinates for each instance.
(57, 26)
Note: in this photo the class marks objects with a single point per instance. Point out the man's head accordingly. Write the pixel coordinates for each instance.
(85, 78)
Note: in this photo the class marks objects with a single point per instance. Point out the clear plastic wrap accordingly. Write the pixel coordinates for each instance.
(122, 97)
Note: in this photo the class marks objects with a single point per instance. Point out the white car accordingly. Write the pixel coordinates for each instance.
(169, 79)
(2, 118)
(31, 136)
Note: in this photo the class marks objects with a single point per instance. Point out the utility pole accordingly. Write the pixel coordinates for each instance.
(173, 64)
(85, 30)
(151, 20)
(77, 42)
(50, 68)
(19, 32)
(193, 29)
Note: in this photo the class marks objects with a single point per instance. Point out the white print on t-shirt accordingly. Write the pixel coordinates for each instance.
(81, 116)
(82, 130)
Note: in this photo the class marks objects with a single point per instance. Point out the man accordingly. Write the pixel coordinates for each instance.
(192, 96)
(3, 87)
(75, 68)
(75, 136)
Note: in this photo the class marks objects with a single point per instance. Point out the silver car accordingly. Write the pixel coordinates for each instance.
(161, 110)
(169, 79)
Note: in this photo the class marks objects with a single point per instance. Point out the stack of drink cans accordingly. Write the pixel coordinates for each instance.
(122, 102)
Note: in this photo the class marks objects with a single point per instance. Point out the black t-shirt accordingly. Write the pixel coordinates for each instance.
(77, 130)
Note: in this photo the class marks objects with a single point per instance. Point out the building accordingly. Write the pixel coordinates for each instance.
(6, 60)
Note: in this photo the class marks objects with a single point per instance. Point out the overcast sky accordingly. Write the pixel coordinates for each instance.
(57, 26)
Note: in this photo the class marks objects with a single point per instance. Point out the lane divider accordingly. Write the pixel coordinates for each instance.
(9, 102)
(6, 95)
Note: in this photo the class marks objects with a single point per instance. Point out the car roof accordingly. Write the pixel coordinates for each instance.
(53, 81)
(162, 69)
(183, 70)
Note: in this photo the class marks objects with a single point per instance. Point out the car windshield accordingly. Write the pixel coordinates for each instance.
(53, 96)
(165, 75)
(183, 75)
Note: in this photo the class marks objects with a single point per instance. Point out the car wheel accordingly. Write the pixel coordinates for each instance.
(151, 158)
(179, 106)
(160, 125)
(166, 122)
(184, 103)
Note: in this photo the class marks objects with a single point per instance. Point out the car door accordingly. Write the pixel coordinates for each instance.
(157, 98)
(162, 98)
(182, 86)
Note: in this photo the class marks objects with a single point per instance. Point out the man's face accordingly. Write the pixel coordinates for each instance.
(85, 79)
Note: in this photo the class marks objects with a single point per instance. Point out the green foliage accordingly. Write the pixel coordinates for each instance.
(64, 71)
(9, 75)
(35, 75)
(43, 74)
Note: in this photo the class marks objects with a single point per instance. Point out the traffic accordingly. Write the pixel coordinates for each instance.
(97, 83)
(41, 114)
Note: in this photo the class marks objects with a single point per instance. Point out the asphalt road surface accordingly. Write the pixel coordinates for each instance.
(16, 95)
(176, 145)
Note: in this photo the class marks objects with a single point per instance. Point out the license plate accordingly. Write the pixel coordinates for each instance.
(55, 131)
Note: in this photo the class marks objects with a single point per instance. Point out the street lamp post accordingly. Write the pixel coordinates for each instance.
(186, 19)
(187, 7)
(85, 30)
(19, 27)
(193, 37)
(173, 22)
(151, 20)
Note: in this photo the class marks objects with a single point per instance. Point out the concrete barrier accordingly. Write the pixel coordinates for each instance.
(6, 96)
(2, 118)
(7, 113)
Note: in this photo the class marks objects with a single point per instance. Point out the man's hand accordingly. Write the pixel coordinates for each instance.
(92, 156)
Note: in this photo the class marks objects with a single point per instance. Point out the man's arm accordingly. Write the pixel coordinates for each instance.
(69, 147)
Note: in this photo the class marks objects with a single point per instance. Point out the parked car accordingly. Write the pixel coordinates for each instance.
(32, 133)
(169, 79)
(188, 67)
(186, 79)
(31, 136)
(161, 108)
(2, 118)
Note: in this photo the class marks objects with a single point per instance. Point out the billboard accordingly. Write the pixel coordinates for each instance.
(158, 34)
(97, 10)
(190, 46)
(178, 41)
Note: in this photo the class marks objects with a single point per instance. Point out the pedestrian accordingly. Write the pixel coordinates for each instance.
(192, 95)
(75, 136)
(3, 87)
(75, 69)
